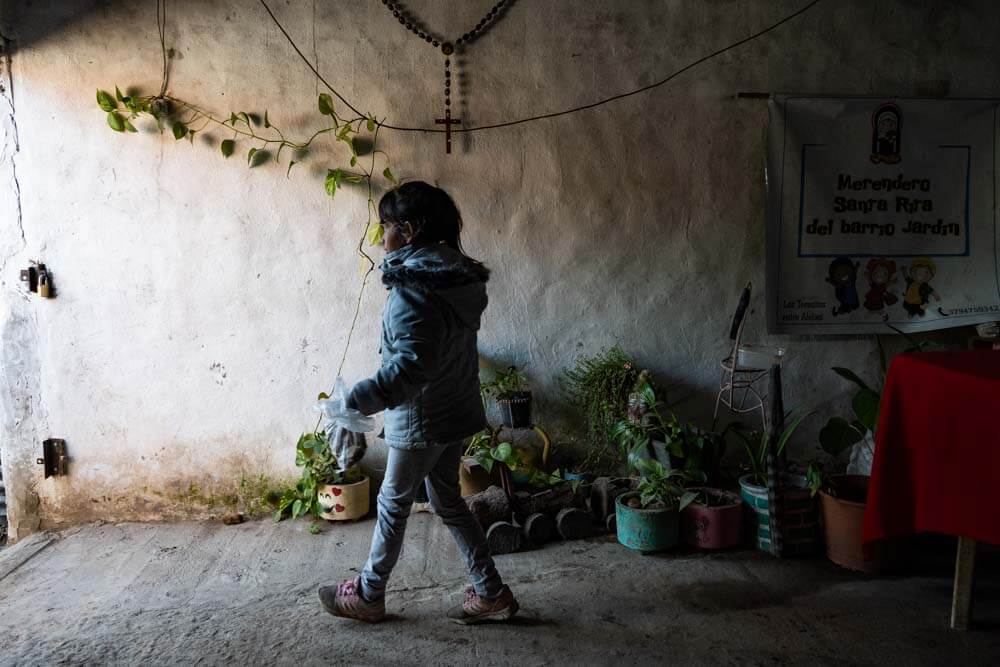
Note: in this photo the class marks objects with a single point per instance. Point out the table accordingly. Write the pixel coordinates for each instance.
(937, 457)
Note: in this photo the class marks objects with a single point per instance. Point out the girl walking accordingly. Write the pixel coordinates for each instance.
(428, 386)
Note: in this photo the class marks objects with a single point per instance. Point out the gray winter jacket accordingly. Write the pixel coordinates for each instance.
(429, 380)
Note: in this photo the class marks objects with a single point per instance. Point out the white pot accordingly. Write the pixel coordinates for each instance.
(344, 502)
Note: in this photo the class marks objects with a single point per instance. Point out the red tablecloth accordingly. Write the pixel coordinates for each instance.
(937, 453)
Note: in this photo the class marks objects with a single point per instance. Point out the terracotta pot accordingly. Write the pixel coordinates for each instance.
(843, 515)
(718, 527)
(472, 477)
(344, 502)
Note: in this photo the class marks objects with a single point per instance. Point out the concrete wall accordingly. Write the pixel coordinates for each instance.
(201, 306)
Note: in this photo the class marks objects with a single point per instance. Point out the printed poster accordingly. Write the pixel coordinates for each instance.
(881, 212)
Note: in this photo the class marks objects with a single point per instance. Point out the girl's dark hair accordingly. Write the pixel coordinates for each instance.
(429, 210)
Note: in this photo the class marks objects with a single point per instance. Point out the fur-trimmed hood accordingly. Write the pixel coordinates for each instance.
(438, 268)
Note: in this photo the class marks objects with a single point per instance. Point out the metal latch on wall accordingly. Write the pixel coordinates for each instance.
(38, 279)
(54, 457)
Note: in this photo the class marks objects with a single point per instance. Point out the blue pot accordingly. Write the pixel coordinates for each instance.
(648, 530)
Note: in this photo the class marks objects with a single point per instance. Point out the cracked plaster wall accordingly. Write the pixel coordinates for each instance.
(201, 306)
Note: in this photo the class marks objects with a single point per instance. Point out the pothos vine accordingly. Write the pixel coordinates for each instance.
(187, 120)
(182, 118)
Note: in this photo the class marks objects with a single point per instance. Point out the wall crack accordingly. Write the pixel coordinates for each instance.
(7, 95)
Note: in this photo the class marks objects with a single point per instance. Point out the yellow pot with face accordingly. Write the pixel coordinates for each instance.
(344, 502)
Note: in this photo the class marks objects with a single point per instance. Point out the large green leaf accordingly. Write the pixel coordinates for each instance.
(179, 129)
(227, 147)
(865, 404)
(503, 451)
(838, 435)
(116, 122)
(106, 102)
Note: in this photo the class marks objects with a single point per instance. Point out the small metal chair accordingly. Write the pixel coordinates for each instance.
(741, 387)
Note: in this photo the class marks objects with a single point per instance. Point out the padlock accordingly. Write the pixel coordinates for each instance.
(44, 290)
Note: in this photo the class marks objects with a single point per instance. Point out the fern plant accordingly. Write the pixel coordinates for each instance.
(599, 386)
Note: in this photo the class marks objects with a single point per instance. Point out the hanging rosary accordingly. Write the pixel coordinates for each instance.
(447, 48)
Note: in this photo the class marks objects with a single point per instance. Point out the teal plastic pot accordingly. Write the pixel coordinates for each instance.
(649, 530)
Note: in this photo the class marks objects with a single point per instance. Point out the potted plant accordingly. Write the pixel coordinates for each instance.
(475, 472)
(859, 433)
(599, 386)
(486, 451)
(323, 490)
(509, 389)
(801, 533)
(842, 504)
(648, 519)
(662, 437)
(842, 497)
(713, 520)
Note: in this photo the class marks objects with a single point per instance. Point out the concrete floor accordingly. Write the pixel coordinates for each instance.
(204, 593)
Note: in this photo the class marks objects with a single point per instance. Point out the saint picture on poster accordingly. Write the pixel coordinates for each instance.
(864, 229)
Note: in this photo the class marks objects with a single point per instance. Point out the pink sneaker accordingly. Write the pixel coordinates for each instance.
(476, 609)
(344, 600)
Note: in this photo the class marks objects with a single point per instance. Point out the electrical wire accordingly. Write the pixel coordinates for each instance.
(554, 114)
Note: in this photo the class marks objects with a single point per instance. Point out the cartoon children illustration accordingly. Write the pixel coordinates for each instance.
(843, 275)
(881, 274)
(887, 124)
(918, 288)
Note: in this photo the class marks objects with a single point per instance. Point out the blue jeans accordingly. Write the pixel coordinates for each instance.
(437, 467)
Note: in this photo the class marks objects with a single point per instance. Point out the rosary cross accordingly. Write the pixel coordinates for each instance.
(447, 121)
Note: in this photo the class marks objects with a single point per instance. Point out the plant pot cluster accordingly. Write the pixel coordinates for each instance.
(714, 523)
(531, 519)
(835, 518)
(653, 510)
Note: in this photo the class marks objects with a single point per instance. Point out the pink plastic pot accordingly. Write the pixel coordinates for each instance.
(717, 527)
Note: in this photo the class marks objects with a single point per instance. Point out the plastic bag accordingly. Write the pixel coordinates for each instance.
(345, 427)
(861, 456)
